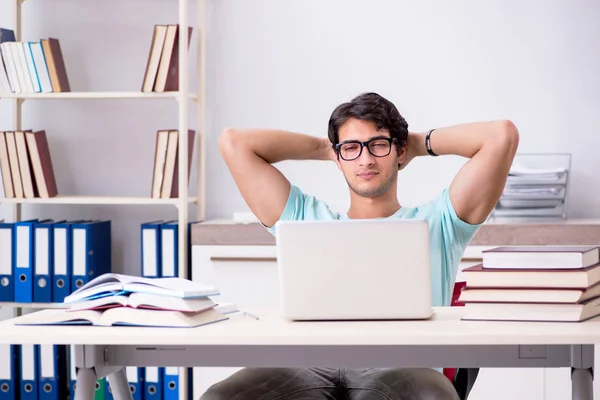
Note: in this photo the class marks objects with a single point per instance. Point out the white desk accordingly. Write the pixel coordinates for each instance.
(271, 341)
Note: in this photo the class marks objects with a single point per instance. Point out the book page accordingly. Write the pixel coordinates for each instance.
(159, 318)
(155, 301)
(59, 317)
(171, 286)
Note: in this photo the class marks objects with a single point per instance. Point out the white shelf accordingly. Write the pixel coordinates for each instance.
(95, 200)
(32, 305)
(95, 95)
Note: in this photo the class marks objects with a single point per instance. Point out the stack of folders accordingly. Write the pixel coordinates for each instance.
(33, 372)
(159, 243)
(533, 192)
(47, 372)
(125, 300)
(534, 283)
(54, 258)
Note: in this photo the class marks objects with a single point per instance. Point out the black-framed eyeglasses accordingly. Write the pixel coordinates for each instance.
(352, 149)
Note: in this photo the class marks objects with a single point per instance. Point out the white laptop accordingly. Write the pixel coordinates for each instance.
(354, 269)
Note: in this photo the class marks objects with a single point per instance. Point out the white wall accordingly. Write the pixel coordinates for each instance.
(287, 64)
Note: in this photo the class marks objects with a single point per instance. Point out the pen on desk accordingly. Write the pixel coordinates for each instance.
(247, 314)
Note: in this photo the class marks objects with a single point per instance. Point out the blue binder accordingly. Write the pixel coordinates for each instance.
(29, 376)
(150, 249)
(52, 372)
(153, 383)
(7, 283)
(63, 260)
(8, 372)
(91, 251)
(23, 261)
(135, 378)
(43, 255)
(170, 249)
(171, 383)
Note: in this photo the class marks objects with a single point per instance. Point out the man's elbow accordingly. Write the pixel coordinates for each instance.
(228, 141)
(508, 137)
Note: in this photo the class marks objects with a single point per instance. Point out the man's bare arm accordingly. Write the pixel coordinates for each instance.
(490, 146)
(249, 154)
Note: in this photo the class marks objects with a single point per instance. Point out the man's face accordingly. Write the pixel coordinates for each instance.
(368, 175)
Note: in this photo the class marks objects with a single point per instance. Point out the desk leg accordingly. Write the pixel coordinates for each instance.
(119, 385)
(85, 388)
(582, 384)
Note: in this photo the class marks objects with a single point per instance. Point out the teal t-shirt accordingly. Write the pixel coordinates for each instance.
(449, 235)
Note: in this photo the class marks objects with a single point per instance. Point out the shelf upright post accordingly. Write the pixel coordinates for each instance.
(201, 109)
(17, 115)
(183, 117)
(182, 208)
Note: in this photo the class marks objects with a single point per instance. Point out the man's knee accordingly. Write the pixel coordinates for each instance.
(405, 384)
(235, 386)
(259, 383)
(426, 384)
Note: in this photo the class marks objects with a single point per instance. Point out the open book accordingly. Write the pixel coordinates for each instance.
(146, 300)
(122, 316)
(113, 284)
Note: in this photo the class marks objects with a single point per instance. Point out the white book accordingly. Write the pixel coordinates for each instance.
(4, 82)
(31, 67)
(122, 316)
(11, 68)
(148, 301)
(41, 66)
(21, 63)
(111, 284)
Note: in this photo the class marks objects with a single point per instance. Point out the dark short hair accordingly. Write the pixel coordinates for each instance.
(370, 107)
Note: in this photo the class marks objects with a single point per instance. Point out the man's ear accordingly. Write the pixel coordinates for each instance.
(338, 163)
(402, 153)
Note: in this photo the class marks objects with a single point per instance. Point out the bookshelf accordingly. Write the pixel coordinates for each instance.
(114, 200)
(96, 95)
(185, 99)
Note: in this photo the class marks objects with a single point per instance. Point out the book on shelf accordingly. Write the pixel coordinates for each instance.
(162, 67)
(165, 177)
(123, 316)
(533, 283)
(543, 257)
(26, 167)
(31, 66)
(120, 284)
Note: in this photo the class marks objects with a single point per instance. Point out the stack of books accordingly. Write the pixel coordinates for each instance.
(534, 283)
(26, 169)
(165, 174)
(31, 67)
(162, 67)
(123, 300)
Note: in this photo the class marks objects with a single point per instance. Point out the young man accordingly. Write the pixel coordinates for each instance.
(370, 142)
